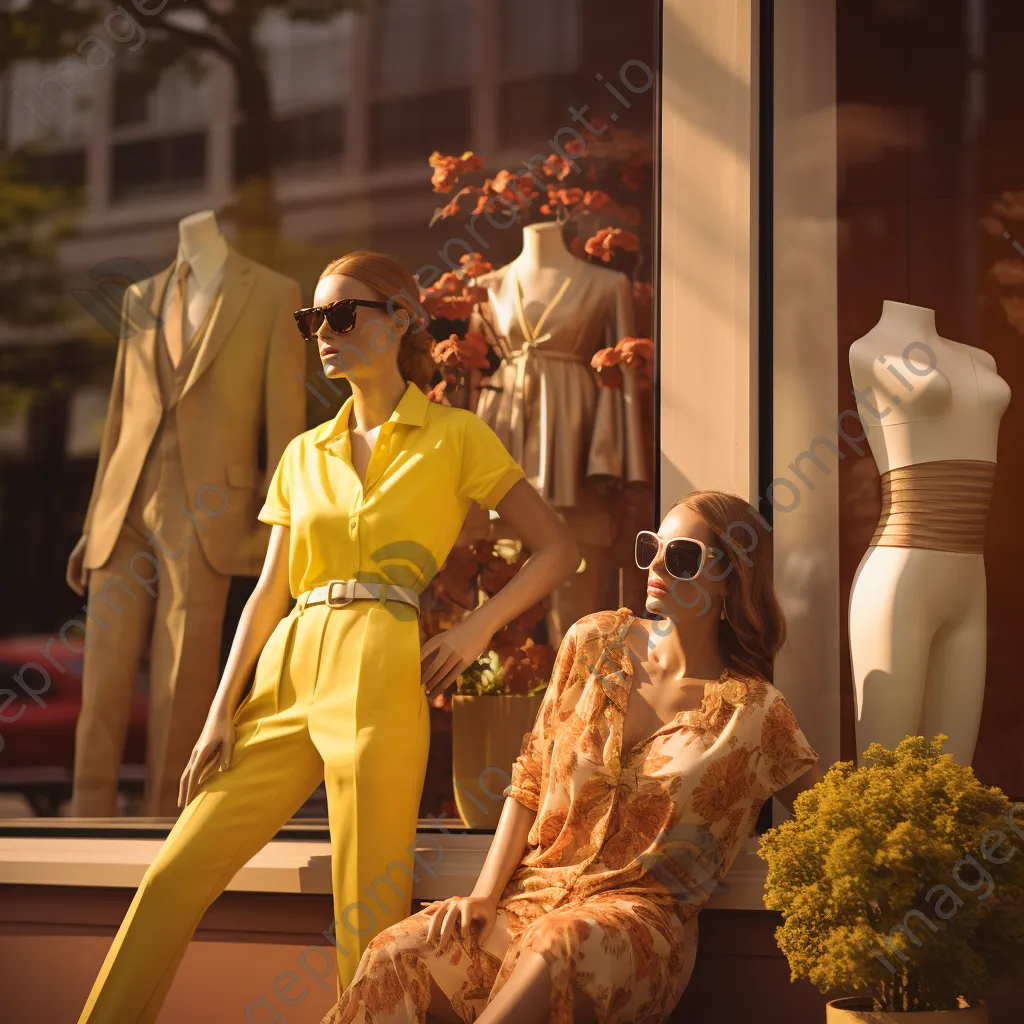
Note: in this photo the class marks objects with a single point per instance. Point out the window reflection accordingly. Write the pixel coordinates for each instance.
(357, 104)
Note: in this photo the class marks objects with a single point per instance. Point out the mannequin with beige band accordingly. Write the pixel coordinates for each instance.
(931, 410)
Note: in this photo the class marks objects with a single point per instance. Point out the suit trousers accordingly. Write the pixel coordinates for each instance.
(337, 697)
(155, 595)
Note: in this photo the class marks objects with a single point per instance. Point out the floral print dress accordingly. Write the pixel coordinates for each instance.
(626, 847)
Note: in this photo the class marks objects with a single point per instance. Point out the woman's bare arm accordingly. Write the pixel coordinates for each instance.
(266, 606)
(554, 557)
(506, 850)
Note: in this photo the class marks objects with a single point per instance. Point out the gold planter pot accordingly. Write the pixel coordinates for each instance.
(487, 736)
(851, 1010)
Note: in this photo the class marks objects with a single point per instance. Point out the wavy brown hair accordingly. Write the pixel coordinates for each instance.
(754, 628)
(392, 282)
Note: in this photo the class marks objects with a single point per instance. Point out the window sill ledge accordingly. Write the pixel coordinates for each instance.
(446, 865)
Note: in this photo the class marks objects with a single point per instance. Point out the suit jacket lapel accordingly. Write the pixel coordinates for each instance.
(144, 316)
(238, 282)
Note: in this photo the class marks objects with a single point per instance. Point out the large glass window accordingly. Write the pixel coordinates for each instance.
(899, 177)
(931, 171)
(305, 136)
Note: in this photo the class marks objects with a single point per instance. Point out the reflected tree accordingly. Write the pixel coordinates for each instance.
(180, 33)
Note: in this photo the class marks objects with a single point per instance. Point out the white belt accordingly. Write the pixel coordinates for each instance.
(339, 593)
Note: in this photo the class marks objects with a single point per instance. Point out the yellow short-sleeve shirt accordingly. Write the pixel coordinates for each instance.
(430, 463)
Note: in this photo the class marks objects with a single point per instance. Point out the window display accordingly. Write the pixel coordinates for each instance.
(929, 353)
(320, 147)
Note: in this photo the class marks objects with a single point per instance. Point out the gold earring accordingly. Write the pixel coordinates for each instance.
(723, 609)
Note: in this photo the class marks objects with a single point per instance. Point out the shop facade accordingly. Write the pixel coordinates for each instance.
(811, 162)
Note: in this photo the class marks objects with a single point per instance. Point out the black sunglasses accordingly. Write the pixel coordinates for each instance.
(684, 556)
(340, 316)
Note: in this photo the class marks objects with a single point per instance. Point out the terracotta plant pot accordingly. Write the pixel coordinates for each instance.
(487, 736)
(851, 1010)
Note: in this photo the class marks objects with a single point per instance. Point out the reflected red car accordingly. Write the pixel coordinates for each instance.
(37, 739)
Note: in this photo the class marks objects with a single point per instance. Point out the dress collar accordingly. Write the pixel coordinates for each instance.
(618, 663)
(411, 409)
(207, 266)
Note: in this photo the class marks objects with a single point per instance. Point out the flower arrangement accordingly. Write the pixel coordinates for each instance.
(610, 164)
(637, 353)
(900, 880)
(613, 163)
(515, 664)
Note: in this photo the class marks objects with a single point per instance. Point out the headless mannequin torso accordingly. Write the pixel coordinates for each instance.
(552, 312)
(542, 268)
(931, 410)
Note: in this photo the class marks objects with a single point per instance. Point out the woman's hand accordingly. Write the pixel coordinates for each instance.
(214, 744)
(469, 918)
(444, 657)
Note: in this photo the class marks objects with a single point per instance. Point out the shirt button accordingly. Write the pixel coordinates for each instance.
(353, 525)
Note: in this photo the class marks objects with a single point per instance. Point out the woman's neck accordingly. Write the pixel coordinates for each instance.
(900, 320)
(686, 648)
(543, 246)
(374, 401)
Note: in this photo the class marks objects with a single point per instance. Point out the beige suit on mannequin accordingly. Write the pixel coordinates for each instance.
(173, 510)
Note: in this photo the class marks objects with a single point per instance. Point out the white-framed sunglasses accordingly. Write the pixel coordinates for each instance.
(684, 556)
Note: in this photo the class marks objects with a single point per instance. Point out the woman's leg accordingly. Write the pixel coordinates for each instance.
(371, 724)
(372, 805)
(274, 769)
(600, 960)
(526, 996)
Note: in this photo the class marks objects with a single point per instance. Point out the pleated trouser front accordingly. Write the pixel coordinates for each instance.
(336, 697)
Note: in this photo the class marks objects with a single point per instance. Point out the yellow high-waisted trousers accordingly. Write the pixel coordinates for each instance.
(337, 697)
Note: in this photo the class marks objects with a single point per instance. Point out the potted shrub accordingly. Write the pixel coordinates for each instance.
(497, 697)
(901, 883)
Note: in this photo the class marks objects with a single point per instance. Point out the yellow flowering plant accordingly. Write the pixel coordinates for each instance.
(902, 880)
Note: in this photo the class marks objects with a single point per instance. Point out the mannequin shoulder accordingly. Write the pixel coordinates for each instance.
(146, 288)
(494, 278)
(982, 359)
(871, 356)
(614, 287)
(604, 277)
(870, 349)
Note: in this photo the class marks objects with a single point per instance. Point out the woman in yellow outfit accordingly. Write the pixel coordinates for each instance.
(378, 496)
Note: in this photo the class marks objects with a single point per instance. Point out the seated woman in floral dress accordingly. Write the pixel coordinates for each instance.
(657, 743)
